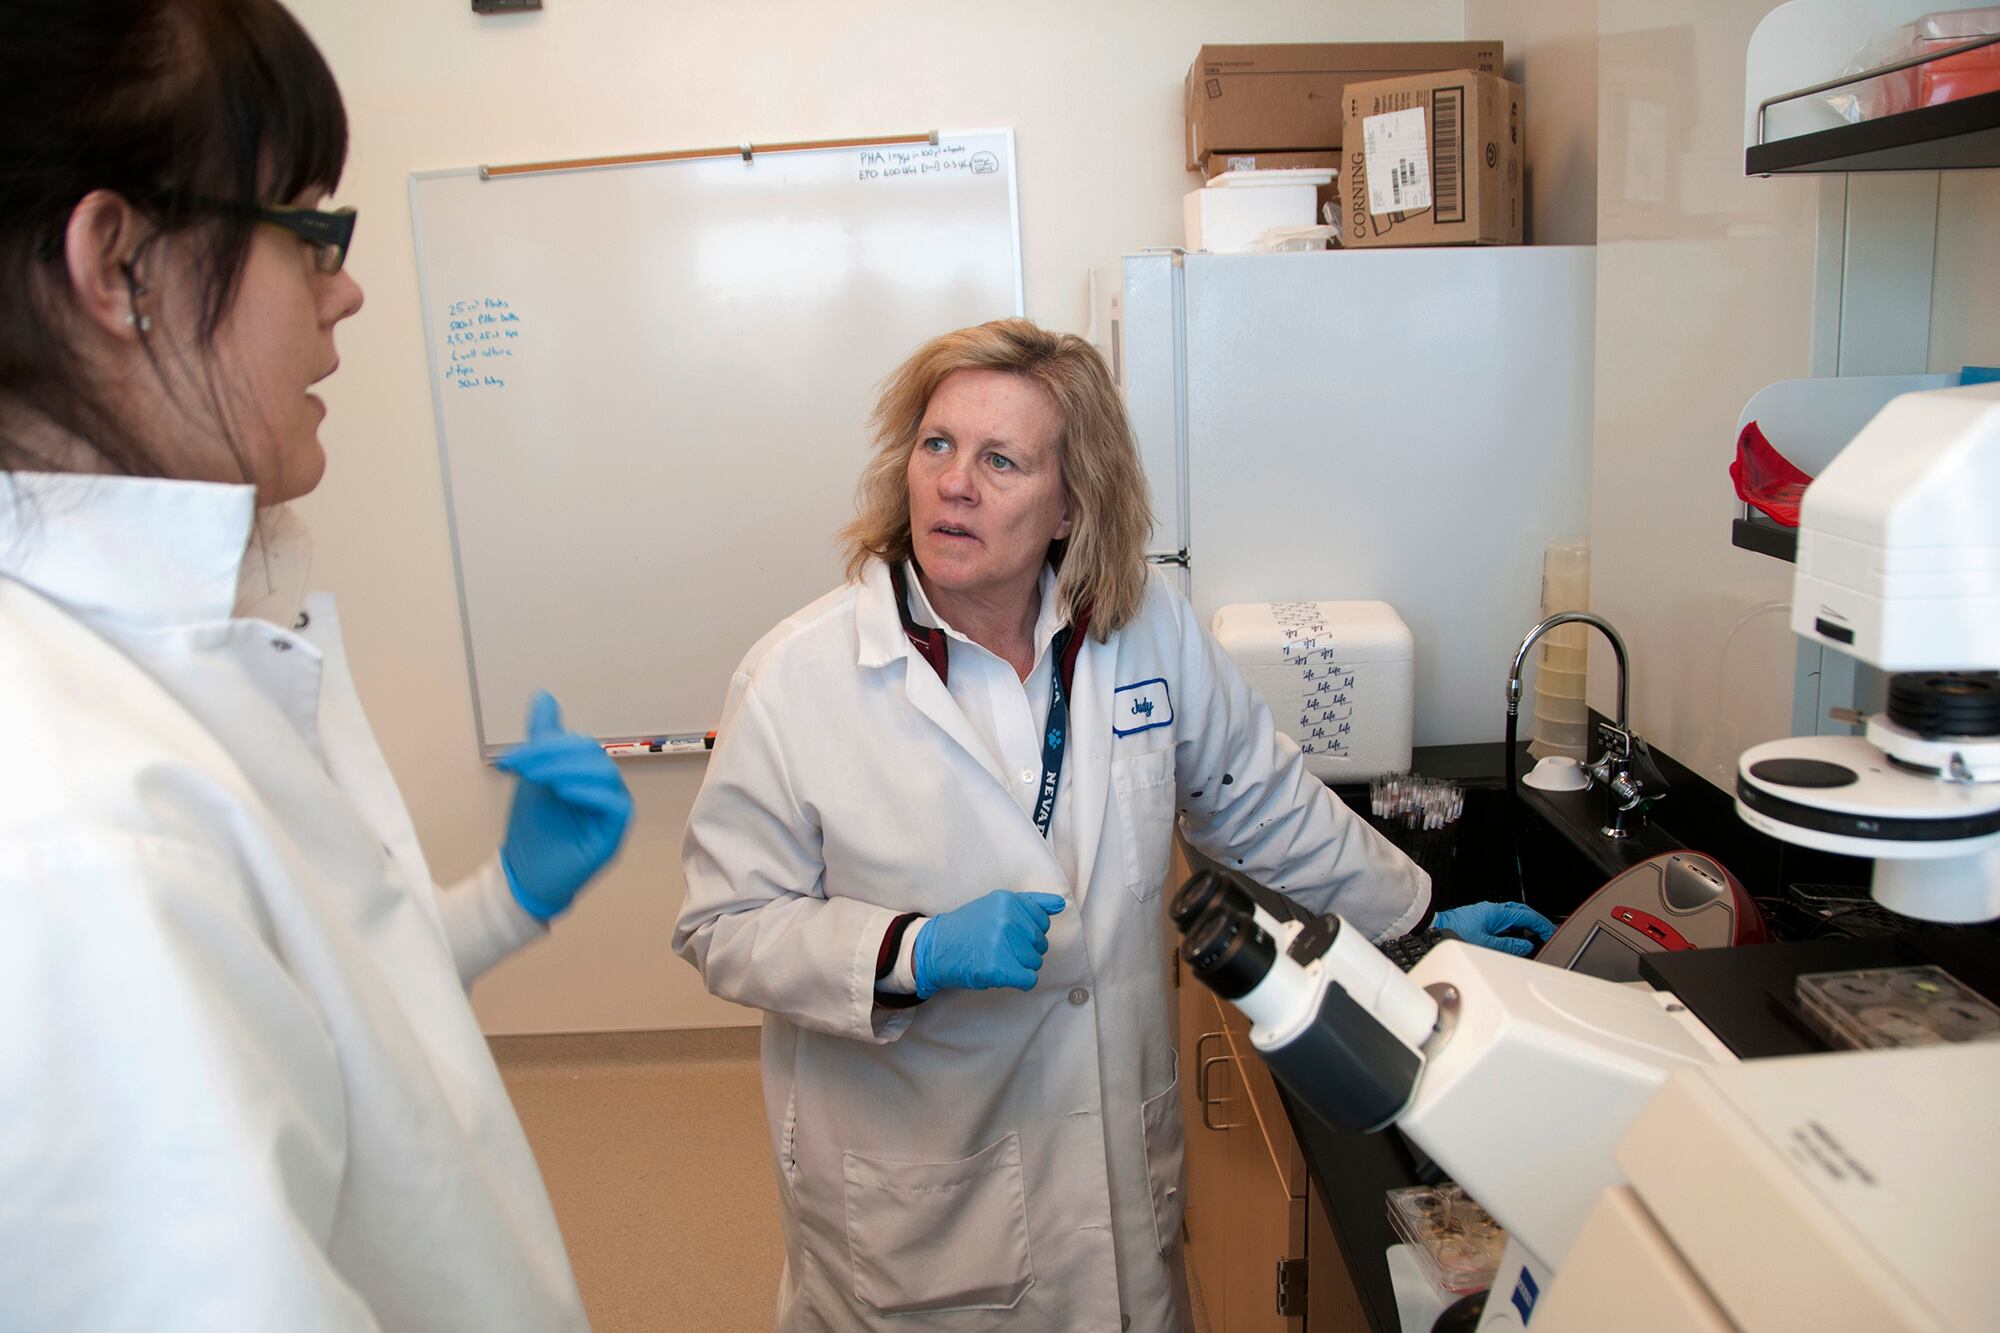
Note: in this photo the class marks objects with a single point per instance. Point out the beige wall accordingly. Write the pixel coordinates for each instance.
(1093, 92)
(1552, 54)
(1704, 295)
(1705, 289)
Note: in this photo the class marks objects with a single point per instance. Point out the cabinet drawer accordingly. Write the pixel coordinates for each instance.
(1265, 1110)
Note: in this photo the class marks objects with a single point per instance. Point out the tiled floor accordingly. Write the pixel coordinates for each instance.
(655, 1153)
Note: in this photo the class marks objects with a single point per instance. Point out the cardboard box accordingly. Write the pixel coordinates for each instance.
(1218, 163)
(1289, 97)
(1436, 159)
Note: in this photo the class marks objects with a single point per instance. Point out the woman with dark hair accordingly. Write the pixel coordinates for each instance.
(931, 845)
(240, 1085)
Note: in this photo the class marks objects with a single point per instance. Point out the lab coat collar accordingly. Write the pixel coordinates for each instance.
(877, 626)
(150, 549)
(1049, 620)
(879, 629)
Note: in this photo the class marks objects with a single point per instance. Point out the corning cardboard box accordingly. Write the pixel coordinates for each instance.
(1289, 97)
(1435, 159)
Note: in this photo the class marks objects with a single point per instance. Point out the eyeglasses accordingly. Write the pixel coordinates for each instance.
(330, 233)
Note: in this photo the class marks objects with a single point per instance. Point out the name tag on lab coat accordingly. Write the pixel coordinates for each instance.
(1141, 707)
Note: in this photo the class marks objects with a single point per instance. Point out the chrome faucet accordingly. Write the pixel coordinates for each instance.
(1626, 768)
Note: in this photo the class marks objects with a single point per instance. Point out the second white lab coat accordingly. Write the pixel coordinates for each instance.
(987, 1159)
(240, 1085)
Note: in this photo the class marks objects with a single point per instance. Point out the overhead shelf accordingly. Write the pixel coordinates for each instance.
(1764, 536)
(1796, 119)
(1950, 136)
(1809, 421)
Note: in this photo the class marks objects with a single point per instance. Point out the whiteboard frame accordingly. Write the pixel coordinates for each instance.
(662, 744)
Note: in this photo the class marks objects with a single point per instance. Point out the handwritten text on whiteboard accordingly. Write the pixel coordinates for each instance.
(480, 337)
(925, 160)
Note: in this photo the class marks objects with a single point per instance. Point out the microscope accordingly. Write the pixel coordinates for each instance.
(1519, 1079)
(1899, 566)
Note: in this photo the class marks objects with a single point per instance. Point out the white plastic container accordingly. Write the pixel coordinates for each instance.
(1338, 677)
(1228, 219)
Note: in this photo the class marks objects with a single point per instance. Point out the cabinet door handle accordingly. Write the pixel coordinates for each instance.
(1201, 1085)
(1201, 1067)
(1199, 1042)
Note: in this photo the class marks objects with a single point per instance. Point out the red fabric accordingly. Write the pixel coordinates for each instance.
(1766, 479)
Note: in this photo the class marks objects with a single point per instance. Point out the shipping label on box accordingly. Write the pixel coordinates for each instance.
(1437, 159)
(1289, 97)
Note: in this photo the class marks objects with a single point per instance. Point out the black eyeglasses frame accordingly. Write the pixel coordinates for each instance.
(331, 230)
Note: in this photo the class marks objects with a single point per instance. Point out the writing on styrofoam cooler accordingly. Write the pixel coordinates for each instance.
(1325, 686)
(925, 160)
(480, 336)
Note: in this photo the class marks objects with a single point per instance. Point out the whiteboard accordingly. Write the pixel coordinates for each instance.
(652, 385)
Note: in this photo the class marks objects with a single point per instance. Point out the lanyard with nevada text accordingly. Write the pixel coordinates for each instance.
(930, 642)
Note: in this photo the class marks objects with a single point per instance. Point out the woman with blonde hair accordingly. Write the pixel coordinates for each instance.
(931, 846)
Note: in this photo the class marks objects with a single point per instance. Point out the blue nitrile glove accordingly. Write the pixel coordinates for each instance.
(1485, 924)
(570, 812)
(995, 940)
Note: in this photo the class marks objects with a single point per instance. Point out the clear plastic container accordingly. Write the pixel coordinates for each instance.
(1569, 739)
(1567, 712)
(1896, 1006)
(1938, 81)
(1559, 684)
(1456, 1242)
(1560, 673)
(1565, 657)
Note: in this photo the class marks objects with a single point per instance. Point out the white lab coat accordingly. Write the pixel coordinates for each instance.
(987, 1159)
(240, 1085)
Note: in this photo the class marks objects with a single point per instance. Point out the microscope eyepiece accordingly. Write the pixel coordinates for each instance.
(1204, 888)
(1228, 950)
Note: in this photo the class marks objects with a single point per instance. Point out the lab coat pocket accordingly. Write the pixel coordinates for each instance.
(1165, 1151)
(1144, 784)
(934, 1236)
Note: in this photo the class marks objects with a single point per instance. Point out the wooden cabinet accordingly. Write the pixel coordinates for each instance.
(1248, 1192)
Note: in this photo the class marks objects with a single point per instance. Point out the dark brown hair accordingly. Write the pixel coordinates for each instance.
(178, 105)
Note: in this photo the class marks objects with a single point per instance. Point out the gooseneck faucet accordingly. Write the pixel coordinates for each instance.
(1623, 753)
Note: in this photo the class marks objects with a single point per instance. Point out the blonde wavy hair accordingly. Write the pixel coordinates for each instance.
(1101, 564)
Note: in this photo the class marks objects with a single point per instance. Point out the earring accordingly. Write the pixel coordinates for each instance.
(138, 289)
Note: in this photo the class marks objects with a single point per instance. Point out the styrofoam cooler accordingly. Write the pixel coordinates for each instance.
(1228, 218)
(1338, 677)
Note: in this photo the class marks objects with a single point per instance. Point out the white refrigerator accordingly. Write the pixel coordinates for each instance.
(1410, 426)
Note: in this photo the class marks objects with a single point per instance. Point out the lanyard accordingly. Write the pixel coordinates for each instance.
(1055, 732)
(930, 643)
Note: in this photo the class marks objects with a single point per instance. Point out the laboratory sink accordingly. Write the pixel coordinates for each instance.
(1499, 848)
(1539, 852)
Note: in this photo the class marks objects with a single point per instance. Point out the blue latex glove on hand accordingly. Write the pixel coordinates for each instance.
(995, 940)
(1483, 924)
(570, 812)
